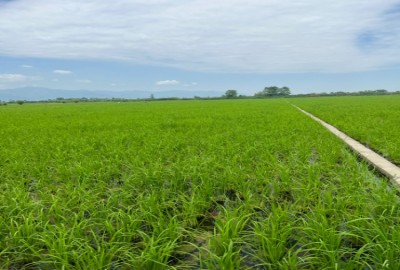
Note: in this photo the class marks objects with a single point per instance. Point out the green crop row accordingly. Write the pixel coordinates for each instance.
(372, 120)
(244, 184)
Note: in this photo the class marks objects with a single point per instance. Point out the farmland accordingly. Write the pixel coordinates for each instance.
(243, 184)
(372, 120)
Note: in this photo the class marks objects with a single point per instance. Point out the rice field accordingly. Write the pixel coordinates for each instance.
(227, 184)
(372, 120)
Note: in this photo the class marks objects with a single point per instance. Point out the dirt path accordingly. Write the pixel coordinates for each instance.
(379, 162)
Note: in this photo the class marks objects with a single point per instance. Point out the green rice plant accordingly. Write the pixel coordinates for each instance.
(228, 260)
(157, 250)
(380, 242)
(227, 229)
(273, 238)
(225, 244)
(227, 184)
(373, 120)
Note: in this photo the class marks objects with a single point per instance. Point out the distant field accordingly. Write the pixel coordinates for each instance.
(373, 120)
(243, 184)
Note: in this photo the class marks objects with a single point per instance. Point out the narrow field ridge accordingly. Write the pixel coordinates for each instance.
(380, 163)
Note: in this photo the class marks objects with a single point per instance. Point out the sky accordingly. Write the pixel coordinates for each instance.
(200, 45)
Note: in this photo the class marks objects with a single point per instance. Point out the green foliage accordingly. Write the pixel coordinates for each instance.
(377, 92)
(20, 102)
(239, 184)
(230, 94)
(374, 121)
(273, 91)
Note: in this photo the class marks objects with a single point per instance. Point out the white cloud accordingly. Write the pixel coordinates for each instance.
(62, 72)
(226, 35)
(190, 84)
(84, 81)
(26, 66)
(16, 78)
(167, 82)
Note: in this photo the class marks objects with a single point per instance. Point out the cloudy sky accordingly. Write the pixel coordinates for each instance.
(307, 45)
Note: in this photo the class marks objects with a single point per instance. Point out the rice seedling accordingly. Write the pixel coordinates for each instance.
(372, 120)
(243, 184)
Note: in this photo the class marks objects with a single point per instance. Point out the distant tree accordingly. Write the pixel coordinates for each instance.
(230, 94)
(285, 91)
(381, 91)
(273, 91)
(20, 102)
(152, 96)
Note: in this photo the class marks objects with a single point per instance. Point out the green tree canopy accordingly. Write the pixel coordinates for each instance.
(273, 91)
(230, 94)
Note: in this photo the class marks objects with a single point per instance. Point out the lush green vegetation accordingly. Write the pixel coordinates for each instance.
(377, 92)
(273, 91)
(373, 120)
(228, 184)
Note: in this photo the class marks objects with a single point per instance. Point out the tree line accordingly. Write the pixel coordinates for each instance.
(274, 91)
(269, 91)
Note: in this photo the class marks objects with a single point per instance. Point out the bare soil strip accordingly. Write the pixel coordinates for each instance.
(380, 163)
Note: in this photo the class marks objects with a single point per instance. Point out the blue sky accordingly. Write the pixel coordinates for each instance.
(195, 45)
